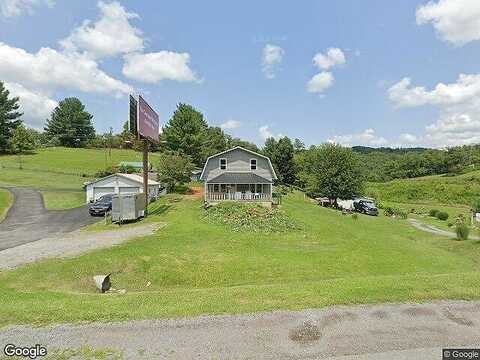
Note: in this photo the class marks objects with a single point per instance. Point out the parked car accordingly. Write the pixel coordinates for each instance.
(101, 205)
(365, 206)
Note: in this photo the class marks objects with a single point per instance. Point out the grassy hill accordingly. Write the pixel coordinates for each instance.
(193, 267)
(61, 172)
(456, 190)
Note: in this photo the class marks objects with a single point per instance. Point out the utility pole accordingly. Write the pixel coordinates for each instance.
(145, 173)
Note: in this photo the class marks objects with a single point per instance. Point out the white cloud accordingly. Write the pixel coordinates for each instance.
(111, 35)
(320, 82)
(49, 69)
(155, 67)
(36, 107)
(266, 133)
(366, 138)
(11, 8)
(333, 57)
(456, 21)
(231, 124)
(408, 138)
(459, 105)
(272, 56)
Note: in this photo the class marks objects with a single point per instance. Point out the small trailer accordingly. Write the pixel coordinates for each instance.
(127, 207)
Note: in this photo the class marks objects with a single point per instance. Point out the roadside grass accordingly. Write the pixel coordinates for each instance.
(6, 200)
(59, 200)
(191, 267)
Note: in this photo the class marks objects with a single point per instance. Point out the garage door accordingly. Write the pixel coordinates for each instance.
(129, 190)
(100, 191)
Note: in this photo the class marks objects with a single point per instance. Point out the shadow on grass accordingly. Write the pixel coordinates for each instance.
(159, 210)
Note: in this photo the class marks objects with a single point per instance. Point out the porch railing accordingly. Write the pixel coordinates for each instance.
(238, 196)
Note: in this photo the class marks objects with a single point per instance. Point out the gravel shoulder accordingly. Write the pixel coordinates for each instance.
(70, 244)
(384, 331)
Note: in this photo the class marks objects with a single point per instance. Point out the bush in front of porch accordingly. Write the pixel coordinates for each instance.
(250, 217)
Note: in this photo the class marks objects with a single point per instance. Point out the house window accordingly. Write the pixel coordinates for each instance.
(223, 164)
(253, 164)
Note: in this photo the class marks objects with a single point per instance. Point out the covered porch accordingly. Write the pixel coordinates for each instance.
(238, 187)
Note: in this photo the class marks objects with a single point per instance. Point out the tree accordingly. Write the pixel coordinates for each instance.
(333, 171)
(186, 133)
(298, 145)
(281, 154)
(9, 117)
(215, 142)
(174, 169)
(232, 142)
(70, 124)
(22, 140)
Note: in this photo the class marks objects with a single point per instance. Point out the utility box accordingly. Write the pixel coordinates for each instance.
(127, 207)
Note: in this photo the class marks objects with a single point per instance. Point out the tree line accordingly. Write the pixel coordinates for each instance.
(187, 140)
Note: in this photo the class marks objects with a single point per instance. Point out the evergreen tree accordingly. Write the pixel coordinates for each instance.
(9, 118)
(70, 124)
(186, 133)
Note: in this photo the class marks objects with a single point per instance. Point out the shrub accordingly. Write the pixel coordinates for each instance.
(355, 216)
(450, 224)
(441, 215)
(398, 213)
(433, 212)
(250, 218)
(108, 171)
(476, 206)
(388, 211)
(462, 232)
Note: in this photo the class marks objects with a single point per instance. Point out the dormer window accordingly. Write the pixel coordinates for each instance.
(223, 164)
(253, 164)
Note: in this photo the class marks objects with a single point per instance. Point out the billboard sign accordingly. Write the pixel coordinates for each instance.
(148, 120)
(132, 119)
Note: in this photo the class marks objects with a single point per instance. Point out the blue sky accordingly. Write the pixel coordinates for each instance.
(384, 73)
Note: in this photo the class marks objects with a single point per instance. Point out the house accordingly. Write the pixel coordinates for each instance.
(196, 175)
(238, 174)
(120, 184)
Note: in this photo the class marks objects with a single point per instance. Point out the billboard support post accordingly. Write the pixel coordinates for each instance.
(145, 174)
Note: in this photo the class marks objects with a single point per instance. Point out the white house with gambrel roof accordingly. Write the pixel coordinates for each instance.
(238, 174)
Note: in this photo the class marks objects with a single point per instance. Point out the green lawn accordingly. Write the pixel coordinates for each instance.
(460, 189)
(60, 168)
(6, 199)
(198, 268)
(58, 200)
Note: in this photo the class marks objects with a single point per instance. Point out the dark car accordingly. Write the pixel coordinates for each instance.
(101, 205)
(365, 206)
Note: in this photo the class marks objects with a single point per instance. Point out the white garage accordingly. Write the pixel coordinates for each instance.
(120, 184)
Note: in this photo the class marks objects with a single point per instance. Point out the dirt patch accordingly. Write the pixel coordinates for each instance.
(380, 314)
(418, 311)
(306, 333)
(338, 317)
(457, 319)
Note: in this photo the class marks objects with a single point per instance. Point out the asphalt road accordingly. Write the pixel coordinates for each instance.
(379, 332)
(28, 220)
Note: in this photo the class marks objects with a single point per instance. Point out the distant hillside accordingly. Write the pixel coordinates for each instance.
(460, 189)
(387, 150)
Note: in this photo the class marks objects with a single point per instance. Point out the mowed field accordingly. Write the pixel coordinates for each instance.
(61, 172)
(192, 267)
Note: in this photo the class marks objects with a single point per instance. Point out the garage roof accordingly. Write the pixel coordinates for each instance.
(133, 177)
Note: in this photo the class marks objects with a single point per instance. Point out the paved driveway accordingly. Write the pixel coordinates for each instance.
(28, 220)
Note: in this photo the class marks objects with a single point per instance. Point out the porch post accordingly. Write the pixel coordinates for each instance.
(205, 191)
